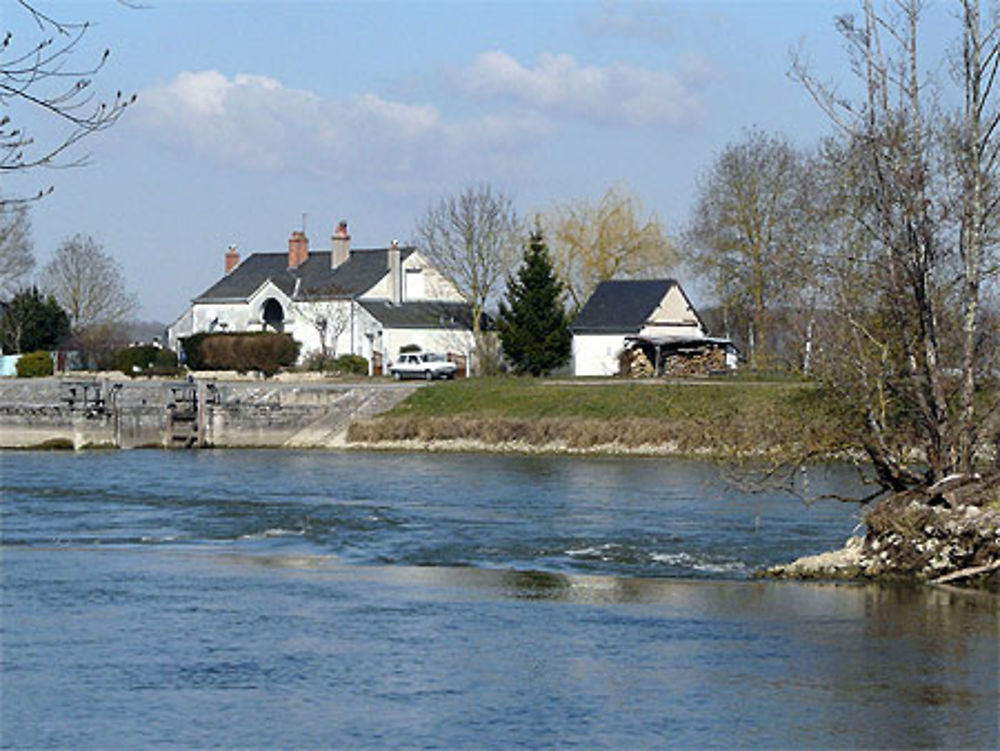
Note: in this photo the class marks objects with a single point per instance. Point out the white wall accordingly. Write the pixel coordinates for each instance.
(180, 328)
(674, 316)
(436, 287)
(597, 354)
(432, 285)
(684, 330)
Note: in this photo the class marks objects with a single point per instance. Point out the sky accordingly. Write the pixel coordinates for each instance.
(256, 118)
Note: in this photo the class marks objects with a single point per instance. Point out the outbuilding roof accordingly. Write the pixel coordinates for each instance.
(312, 279)
(422, 314)
(622, 306)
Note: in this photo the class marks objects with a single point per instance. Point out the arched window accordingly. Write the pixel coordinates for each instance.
(274, 315)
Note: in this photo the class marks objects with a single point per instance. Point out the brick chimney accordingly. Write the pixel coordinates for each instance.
(298, 248)
(232, 258)
(340, 245)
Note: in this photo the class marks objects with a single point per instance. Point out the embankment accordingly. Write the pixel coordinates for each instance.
(122, 413)
(718, 419)
(947, 533)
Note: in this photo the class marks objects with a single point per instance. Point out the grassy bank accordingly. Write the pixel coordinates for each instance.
(685, 417)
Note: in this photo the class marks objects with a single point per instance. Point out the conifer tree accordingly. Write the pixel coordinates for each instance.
(533, 325)
(31, 322)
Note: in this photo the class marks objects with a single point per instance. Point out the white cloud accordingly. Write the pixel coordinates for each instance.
(256, 122)
(616, 94)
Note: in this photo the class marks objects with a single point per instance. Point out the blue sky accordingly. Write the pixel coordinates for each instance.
(253, 114)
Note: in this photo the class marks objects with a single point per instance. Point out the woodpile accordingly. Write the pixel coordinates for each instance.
(635, 364)
(694, 363)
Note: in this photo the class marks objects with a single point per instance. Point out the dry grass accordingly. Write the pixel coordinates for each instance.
(691, 435)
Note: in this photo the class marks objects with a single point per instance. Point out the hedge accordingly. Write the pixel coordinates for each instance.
(146, 360)
(263, 351)
(35, 365)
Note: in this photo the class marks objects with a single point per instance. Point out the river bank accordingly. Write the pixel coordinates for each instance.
(781, 421)
(948, 533)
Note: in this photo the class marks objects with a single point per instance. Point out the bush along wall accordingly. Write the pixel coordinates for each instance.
(349, 365)
(35, 365)
(263, 351)
(146, 360)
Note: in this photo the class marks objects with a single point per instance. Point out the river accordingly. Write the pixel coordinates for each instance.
(266, 599)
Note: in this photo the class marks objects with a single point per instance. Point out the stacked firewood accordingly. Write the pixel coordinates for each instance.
(701, 363)
(636, 364)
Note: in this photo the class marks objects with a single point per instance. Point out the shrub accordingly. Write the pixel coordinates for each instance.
(350, 365)
(146, 360)
(34, 365)
(317, 362)
(191, 349)
(409, 348)
(166, 359)
(266, 352)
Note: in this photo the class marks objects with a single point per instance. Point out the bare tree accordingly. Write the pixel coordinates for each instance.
(330, 319)
(915, 216)
(613, 240)
(37, 75)
(977, 153)
(16, 257)
(88, 284)
(750, 232)
(472, 238)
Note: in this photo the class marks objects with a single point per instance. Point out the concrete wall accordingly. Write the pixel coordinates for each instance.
(35, 413)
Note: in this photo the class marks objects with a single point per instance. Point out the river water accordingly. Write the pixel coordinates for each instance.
(264, 599)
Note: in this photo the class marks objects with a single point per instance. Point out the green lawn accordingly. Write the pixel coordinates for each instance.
(528, 398)
(727, 417)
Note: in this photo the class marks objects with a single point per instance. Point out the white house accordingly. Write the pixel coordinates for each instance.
(655, 314)
(342, 301)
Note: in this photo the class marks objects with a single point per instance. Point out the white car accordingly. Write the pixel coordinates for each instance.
(425, 365)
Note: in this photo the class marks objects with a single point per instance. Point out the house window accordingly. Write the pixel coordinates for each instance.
(414, 285)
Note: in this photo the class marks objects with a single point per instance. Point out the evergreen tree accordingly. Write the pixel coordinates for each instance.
(32, 322)
(533, 325)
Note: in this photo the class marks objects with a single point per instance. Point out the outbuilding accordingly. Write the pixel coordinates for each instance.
(624, 315)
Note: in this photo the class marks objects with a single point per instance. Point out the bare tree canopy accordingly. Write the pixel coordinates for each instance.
(749, 232)
(16, 257)
(612, 240)
(330, 319)
(472, 238)
(36, 76)
(913, 211)
(88, 284)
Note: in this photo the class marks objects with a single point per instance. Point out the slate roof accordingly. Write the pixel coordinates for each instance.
(424, 314)
(314, 278)
(621, 306)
